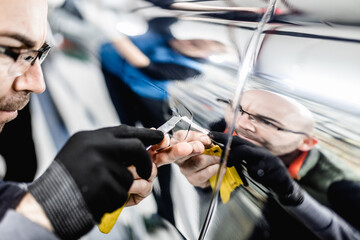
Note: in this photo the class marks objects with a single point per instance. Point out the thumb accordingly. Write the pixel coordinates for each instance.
(146, 136)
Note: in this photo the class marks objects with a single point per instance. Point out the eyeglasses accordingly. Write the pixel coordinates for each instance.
(261, 120)
(24, 59)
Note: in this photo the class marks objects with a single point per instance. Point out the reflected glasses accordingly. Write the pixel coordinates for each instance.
(23, 59)
(260, 120)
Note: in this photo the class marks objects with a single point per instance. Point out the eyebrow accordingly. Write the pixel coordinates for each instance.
(227, 101)
(264, 117)
(268, 119)
(21, 38)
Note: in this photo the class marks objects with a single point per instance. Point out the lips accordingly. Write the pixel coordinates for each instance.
(2, 110)
(248, 138)
(9, 110)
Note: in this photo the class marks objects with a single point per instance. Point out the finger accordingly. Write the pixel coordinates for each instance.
(178, 153)
(154, 172)
(201, 178)
(179, 136)
(146, 135)
(151, 137)
(219, 136)
(190, 136)
(136, 176)
(197, 163)
(122, 176)
(134, 200)
(223, 138)
(163, 144)
(141, 187)
(139, 190)
(132, 151)
(132, 169)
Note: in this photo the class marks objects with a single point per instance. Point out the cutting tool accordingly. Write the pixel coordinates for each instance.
(109, 219)
(168, 126)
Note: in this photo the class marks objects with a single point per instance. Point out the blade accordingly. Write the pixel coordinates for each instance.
(170, 124)
(167, 127)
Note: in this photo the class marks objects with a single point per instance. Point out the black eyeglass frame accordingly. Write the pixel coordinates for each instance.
(242, 111)
(43, 51)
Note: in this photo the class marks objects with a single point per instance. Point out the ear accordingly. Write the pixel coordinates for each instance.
(307, 144)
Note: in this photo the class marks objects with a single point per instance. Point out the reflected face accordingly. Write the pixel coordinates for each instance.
(22, 27)
(264, 113)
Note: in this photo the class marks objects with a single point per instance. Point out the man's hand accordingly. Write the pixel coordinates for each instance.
(263, 167)
(187, 154)
(140, 188)
(178, 149)
(90, 176)
(199, 169)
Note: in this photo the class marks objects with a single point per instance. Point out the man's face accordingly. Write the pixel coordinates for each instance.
(276, 112)
(22, 26)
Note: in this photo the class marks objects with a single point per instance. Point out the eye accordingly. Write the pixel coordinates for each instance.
(252, 118)
(28, 58)
(267, 123)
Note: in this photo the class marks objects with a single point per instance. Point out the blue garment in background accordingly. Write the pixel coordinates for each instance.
(155, 47)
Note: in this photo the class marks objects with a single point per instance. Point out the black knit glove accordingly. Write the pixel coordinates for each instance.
(263, 167)
(89, 176)
(168, 71)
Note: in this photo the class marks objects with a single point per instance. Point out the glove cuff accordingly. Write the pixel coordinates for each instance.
(295, 198)
(62, 202)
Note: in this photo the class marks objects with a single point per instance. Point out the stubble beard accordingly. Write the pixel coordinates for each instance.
(13, 103)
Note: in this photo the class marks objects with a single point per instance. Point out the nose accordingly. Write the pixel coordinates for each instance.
(32, 80)
(244, 122)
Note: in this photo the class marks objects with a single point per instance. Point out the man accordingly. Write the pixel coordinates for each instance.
(96, 172)
(285, 128)
(271, 172)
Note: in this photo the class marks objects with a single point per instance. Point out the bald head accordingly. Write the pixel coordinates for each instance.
(276, 122)
(288, 112)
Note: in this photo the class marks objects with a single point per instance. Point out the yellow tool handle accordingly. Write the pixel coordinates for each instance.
(108, 220)
(231, 179)
(213, 151)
